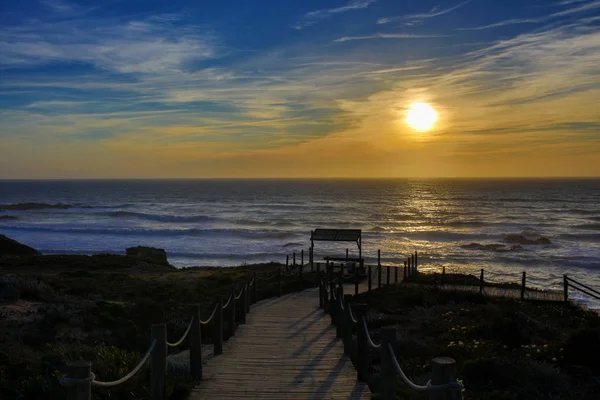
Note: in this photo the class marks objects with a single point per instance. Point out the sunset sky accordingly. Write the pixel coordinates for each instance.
(184, 89)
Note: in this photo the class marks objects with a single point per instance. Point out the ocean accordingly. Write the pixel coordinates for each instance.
(230, 222)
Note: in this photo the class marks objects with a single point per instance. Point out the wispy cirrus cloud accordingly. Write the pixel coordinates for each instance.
(588, 6)
(421, 17)
(313, 17)
(387, 36)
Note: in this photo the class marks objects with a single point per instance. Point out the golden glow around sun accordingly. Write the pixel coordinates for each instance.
(421, 117)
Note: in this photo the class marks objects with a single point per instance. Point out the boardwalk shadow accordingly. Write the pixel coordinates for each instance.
(312, 341)
(331, 378)
(305, 327)
(306, 371)
(303, 318)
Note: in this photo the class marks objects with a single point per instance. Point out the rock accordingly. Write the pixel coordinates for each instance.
(34, 206)
(10, 247)
(521, 239)
(492, 247)
(151, 253)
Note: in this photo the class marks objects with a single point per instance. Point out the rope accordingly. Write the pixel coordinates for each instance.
(267, 279)
(66, 381)
(183, 337)
(454, 386)
(239, 295)
(369, 340)
(227, 302)
(211, 315)
(351, 315)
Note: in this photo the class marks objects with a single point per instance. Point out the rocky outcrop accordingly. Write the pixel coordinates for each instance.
(522, 239)
(10, 247)
(152, 253)
(34, 206)
(492, 247)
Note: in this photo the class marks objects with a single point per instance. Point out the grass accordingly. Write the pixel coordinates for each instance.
(100, 309)
(504, 348)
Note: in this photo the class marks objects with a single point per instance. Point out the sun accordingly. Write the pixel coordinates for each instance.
(421, 117)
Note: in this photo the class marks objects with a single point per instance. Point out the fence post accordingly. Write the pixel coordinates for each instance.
(355, 280)
(405, 270)
(481, 282)
(416, 261)
(195, 344)
(302, 257)
(243, 305)
(81, 390)
(347, 327)
(369, 279)
(294, 262)
(523, 285)
(362, 349)
(287, 261)
(396, 275)
(218, 327)
(279, 282)
(339, 311)
(159, 360)
(232, 322)
(387, 387)
(388, 274)
(443, 370)
(300, 275)
(332, 304)
(320, 293)
(566, 287)
(248, 293)
(378, 273)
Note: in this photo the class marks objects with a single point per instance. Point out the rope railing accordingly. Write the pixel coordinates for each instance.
(359, 346)
(228, 301)
(178, 343)
(91, 379)
(214, 311)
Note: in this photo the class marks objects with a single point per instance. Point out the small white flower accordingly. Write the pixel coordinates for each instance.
(553, 359)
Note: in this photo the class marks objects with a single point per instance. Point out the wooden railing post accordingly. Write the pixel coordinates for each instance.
(300, 275)
(294, 262)
(369, 279)
(332, 303)
(287, 261)
(362, 349)
(254, 288)
(243, 305)
(356, 280)
(302, 257)
(443, 370)
(159, 360)
(339, 317)
(81, 390)
(405, 270)
(231, 316)
(248, 294)
(481, 282)
(523, 285)
(416, 261)
(347, 327)
(196, 344)
(566, 287)
(387, 386)
(388, 274)
(217, 327)
(396, 275)
(279, 282)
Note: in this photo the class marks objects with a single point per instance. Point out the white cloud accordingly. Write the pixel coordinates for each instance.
(387, 36)
(313, 17)
(420, 17)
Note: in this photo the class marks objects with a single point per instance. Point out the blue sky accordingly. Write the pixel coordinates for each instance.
(126, 88)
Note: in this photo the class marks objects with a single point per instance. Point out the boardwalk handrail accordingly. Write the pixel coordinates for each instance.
(214, 311)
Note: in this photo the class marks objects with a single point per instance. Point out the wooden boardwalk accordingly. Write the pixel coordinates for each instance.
(287, 350)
